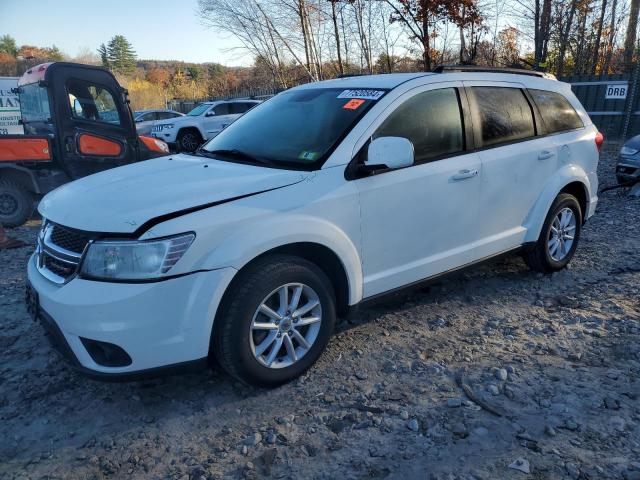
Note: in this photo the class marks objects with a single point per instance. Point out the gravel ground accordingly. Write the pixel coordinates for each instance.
(497, 373)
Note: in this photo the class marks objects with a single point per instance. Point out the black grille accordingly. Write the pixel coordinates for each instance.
(62, 269)
(69, 239)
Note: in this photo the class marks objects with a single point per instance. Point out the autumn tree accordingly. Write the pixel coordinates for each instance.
(8, 65)
(158, 76)
(508, 47)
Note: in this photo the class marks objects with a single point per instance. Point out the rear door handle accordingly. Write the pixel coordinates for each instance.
(545, 154)
(464, 174)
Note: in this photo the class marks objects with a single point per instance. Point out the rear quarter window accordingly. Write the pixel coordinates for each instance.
(504, 114)
(556, 111)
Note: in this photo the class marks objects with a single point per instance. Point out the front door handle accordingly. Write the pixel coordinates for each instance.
(545, 154)
(464, 174)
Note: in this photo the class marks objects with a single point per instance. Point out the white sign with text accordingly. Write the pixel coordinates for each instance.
(9, 107)
(616, 91)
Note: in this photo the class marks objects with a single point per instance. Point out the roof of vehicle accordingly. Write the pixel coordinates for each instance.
(392, 80)
(149, 110)
(45, 70)
(231, 100)
(384, 80)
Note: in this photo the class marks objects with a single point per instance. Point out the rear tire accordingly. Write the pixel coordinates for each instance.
(244, 335)
(189, 139)
(16, 204)
(559, 236)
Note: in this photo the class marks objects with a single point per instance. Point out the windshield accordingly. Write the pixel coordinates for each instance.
(199, 110)
(34, 103)
(299, 128)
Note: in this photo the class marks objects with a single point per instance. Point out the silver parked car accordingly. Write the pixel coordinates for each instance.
(628, 167)
(145, 119)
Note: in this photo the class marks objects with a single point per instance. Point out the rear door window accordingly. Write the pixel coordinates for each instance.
(92, 102)
(431, 121)
(557, 113)
(222, 109)
(504, 114)
(166, 115)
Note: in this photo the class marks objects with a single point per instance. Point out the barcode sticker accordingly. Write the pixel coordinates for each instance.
(365, 94)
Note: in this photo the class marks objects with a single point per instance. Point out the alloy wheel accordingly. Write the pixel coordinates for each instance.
(285, 325)
(189, 142)
(561, 234)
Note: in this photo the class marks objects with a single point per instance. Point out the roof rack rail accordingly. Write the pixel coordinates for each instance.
(478, 68)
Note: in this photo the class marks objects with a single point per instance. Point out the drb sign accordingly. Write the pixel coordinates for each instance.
(616, 91)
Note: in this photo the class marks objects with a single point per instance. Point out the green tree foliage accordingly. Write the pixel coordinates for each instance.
(8, 45)
(104, 55)
(121, 58)
(194, 72)
(54, 54)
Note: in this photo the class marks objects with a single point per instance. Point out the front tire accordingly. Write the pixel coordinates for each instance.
(559, 236)
(16, 204)
(275, 321)
(189, 140)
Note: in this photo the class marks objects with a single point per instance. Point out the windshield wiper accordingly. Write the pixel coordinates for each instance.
(237, 154)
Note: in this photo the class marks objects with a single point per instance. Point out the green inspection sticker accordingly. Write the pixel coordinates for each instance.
(307, 155)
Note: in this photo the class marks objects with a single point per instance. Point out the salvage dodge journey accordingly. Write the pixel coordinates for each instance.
(327, 195)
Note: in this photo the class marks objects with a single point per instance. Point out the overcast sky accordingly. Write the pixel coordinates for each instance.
(157, 29)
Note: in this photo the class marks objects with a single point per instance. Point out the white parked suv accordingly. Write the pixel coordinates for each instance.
(327, 195)
(205, 121)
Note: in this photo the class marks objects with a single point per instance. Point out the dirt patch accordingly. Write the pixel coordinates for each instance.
(491, 374)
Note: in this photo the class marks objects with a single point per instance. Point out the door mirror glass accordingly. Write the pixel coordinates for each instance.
(392, 152)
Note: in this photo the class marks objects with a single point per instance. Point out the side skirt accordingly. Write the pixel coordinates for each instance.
(384, 296)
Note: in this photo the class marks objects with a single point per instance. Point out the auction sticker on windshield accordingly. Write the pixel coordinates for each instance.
(353, 104)
(365, 94)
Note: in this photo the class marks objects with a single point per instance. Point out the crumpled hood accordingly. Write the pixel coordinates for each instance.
(122, 199)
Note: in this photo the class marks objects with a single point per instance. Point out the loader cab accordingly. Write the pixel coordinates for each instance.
(76, 121)
(84, 111)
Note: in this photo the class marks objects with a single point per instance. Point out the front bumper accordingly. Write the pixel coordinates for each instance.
(158, 324)
(628, 169)
(168, 136)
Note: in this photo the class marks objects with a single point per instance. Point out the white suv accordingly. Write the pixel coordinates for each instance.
(202, 123)
(324, 196)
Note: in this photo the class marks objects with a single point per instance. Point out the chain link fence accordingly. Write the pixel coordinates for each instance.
(185, 105)
(612, 101)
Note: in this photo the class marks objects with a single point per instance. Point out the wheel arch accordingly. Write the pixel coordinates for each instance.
(578, 190)
(325, 259)
(20, 175)
(192, 127)
(572, 180)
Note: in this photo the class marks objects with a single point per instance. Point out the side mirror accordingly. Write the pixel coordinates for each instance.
(210, 114)
(390, 152)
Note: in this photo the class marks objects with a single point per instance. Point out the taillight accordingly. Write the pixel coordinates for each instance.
(599, 140)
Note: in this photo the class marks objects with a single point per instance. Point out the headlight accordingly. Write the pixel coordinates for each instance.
(628, 151)
(161, 145)
(134, 260)
(167, 126)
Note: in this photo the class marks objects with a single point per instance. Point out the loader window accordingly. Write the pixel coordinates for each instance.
(92, 102)
(34, 103)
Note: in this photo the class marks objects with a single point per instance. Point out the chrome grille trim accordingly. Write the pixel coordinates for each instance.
(46, 248)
